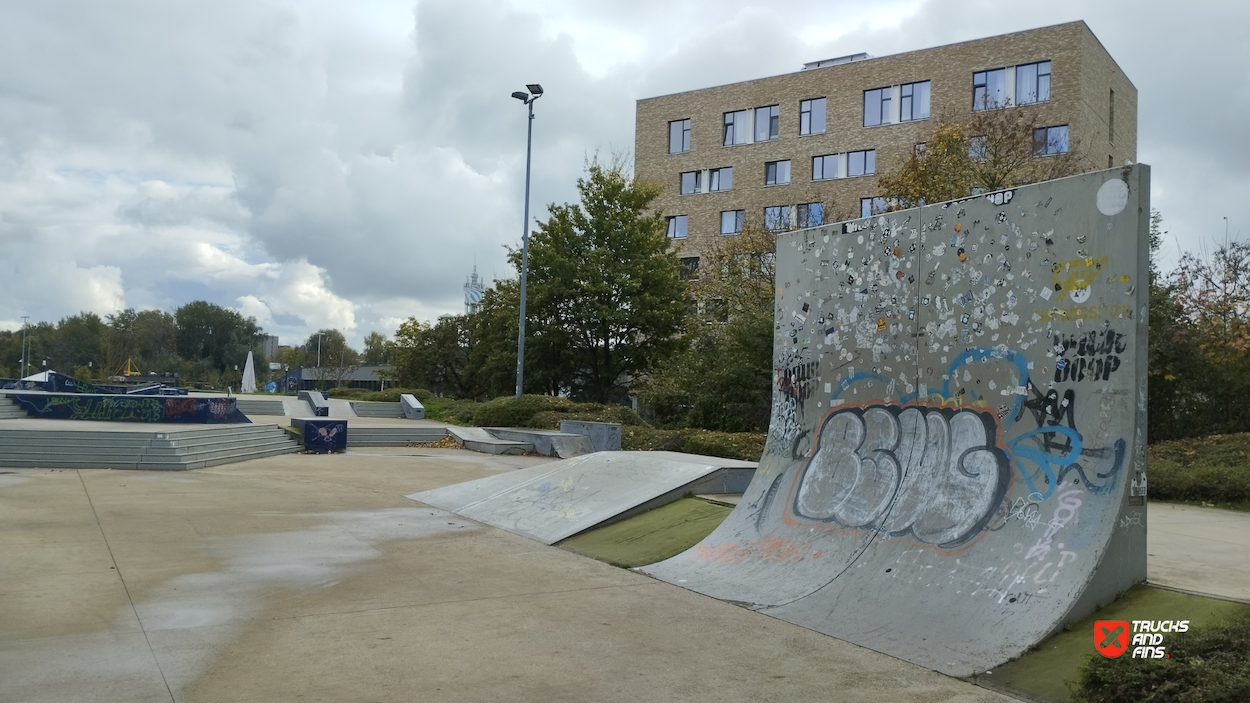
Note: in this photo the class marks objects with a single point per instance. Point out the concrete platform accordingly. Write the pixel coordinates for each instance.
(478, 439)
(313, 578)
(555, 501)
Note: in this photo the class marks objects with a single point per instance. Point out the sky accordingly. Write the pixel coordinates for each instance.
(347, 164)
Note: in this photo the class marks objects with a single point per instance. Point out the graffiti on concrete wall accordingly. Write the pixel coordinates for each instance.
(935, 474)
(130, 408)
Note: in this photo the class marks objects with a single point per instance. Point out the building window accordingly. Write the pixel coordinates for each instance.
(871, 206)
(731, 221)
(989, 89)
(720, 179)
(824, 167)
(736, 128)
(876, 107)
(1033, 83)
(978, 147)
(1048, 141)
(676, 226)
(777, 218)
(812, 116)
(861, 163)
(689, 268)
(914, 101)
(679, 136)
(776, 173)
(811, 214)
(691, 182)
(767, 123)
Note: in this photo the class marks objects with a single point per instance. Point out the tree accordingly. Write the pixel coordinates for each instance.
(376, 348)
(435, 357)
(492, 360)
(328, 351)
(218, 338)
(723, 380)
(990, 150)
(606, 299)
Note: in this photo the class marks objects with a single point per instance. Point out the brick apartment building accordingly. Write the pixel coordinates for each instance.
(804, 148)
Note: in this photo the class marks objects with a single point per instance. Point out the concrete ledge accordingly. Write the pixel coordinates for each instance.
(605, 436)
(547, 442)
(479, 440)
(413, 409)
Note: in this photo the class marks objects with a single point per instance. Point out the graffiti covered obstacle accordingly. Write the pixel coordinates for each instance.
(956, 457)
(129, 408)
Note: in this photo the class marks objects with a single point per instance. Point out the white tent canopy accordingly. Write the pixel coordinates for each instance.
(249, 376)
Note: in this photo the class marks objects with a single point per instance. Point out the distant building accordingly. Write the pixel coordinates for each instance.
(269, 347)
(371, 376)
(473, 291)
(803, 148)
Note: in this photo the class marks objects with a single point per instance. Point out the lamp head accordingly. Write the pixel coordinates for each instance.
(535, 89)
(523, 97)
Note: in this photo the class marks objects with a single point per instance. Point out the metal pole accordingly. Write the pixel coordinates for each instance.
(320, 380)
(525, 254)
(25, 324)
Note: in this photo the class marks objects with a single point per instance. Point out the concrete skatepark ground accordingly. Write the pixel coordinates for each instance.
(312, 578)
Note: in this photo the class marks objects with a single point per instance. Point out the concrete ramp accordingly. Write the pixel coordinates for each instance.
(554, 501)
(956, 458)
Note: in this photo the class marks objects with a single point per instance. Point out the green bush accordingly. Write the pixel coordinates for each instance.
(348, 393)
(649, 439)
(1213, 469)
(747, 446)
(1207, 666)
(509, 411)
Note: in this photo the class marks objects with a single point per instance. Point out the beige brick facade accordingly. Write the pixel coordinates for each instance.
(1083, 76)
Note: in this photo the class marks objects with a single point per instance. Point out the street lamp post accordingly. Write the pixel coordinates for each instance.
(535, 92)
(25, 324)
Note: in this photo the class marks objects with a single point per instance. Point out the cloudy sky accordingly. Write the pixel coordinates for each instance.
(344, 164)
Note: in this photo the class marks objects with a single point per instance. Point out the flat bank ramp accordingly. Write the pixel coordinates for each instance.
(551, 502)
(956, 458)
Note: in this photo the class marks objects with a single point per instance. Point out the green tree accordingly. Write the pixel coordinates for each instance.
(328, 351)
(376, 347)
(492, 360)
(435, 357)
(215, 337)
(148, 337)
(606, 300)
(986, 151)
(723, 380)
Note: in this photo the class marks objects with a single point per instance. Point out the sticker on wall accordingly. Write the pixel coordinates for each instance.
(1112, 197)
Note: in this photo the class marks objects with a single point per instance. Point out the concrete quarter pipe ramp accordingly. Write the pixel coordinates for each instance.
(956, 458)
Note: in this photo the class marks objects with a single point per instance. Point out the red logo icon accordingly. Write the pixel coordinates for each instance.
(1111, 637)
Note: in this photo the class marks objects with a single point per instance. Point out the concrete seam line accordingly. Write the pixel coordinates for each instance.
(125, 588)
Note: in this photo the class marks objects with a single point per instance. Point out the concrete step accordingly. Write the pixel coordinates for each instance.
(364, 408)
(392, 436)
(144, 449)
(261, 407)
(547, 442)
(10, 410)
(479, 440)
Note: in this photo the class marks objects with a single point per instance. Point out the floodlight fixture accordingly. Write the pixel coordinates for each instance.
(534, 88)
(523, 97)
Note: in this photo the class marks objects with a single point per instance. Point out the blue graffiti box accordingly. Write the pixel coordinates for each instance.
(322, 434)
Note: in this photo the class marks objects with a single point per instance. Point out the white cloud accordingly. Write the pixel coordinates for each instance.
(326, 164)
